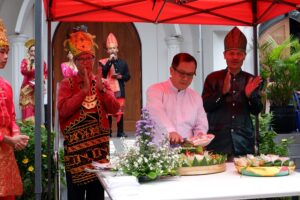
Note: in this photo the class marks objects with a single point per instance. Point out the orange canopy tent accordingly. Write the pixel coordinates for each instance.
(213, 12)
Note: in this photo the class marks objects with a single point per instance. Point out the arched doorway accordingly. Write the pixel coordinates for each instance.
(129, 50)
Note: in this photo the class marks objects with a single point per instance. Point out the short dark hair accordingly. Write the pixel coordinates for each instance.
(183, 57)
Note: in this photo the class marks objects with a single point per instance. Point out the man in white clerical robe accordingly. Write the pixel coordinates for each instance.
(176, 109)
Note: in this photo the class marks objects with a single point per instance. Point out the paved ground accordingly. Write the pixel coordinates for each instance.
(116, 144)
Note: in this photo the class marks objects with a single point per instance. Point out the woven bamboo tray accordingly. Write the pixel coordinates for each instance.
(198, 170)
(266, 171)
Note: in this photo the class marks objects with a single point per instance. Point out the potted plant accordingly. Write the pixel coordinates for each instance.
(25, 160)
(280, 67)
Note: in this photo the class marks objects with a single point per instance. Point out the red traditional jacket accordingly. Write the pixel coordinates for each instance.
(10, 179)
(84, 124)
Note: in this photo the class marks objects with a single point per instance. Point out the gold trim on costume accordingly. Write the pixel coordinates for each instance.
(29, 43)
(26, 90)
(3, 36)
(89, 102)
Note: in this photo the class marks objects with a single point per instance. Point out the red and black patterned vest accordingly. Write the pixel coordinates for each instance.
(86, 139)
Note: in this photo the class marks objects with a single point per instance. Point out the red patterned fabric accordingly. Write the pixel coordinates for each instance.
(10, 179)
(84, 124)
(7, 198)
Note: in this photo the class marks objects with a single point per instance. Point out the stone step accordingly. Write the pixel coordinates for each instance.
(295, 136)
(297, 163)
(295, 157)
(294, 150)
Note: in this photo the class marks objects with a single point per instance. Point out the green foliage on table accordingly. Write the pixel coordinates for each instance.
(192, 149)
(25, 160)
(267, 144)
(205, 159)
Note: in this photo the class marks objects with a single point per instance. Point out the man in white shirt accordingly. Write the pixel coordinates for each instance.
(173, 106)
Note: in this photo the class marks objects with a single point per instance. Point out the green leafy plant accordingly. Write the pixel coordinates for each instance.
(280, 66)
(61, 167)
(267, 144)
(25, 160)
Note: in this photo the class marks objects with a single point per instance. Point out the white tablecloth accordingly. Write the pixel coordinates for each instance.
(225, 185)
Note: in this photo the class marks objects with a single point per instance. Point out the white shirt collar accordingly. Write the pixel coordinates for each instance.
(173, 88)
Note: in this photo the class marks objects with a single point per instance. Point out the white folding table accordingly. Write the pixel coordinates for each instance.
(226, 185)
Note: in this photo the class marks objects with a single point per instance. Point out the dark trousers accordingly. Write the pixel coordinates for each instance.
(119, 124)
(46, 115)
(92, 190)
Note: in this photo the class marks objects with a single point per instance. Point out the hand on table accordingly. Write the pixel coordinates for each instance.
(175, 138)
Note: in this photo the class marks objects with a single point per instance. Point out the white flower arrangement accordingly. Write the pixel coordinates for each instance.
(145, 158)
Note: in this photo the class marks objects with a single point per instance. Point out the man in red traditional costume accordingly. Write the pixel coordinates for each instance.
(27, 88)
(116, 72)
(10, 137)
(83, 103)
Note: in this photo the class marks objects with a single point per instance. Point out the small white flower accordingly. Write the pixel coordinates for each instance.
(145, 154)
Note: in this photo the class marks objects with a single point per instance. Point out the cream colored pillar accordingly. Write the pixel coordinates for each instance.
(173, 44)
(17, 53)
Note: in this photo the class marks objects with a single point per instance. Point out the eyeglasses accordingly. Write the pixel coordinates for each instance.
(183, 74)
(84, 59)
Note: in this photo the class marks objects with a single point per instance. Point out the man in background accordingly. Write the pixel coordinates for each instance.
(229, 97)
(115, 70)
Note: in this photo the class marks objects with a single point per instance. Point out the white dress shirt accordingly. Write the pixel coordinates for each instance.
(174, 110)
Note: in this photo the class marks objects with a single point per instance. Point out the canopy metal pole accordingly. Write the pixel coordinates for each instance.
(49, 110)
(38, 98)
(255, 54)
(255, 48)
(255, 59)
